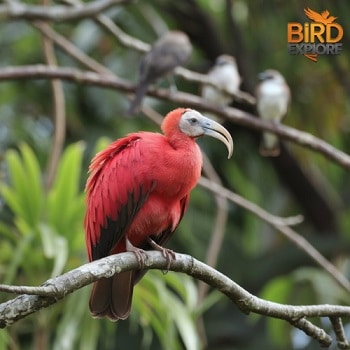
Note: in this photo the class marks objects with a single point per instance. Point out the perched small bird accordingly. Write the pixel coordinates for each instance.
(273, 96)
(171, 50)
(224, 74)
(137, 193)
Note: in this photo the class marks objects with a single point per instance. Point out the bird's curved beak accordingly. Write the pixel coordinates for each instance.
(216, 130)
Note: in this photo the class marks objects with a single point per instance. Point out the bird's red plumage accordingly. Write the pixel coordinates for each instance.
(138, 187)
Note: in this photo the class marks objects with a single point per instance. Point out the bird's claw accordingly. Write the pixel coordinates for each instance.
(140, 254)
(141, 257)
(168, 254)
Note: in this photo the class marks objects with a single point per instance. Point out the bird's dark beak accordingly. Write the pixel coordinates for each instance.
(214, 129)
(264, 76)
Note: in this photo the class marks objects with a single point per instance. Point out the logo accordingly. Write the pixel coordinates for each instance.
(320, 37)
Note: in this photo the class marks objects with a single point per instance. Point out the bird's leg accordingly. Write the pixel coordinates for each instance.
(140, 253)
(167, 253)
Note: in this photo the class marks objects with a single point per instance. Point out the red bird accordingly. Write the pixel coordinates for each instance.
(137, 193)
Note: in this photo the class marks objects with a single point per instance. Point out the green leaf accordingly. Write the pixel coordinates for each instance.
(322, 285)
(101, 144)
(17, 258)
(69, 333)
(33, 176)
(184, 285)
(278, 290)
(166, 311)
(210, 299)
(11, 198)
(25, 195)
(55, 247)
(5, 340)
(64, 200)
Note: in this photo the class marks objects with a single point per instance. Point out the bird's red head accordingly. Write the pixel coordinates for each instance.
(184, 125)
(172, 120)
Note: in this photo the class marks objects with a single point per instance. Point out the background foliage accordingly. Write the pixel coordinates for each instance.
(41, 232)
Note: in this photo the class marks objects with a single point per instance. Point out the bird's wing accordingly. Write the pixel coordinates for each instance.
(115, 193)
(315, 16)
(159, 62)
(325, 14)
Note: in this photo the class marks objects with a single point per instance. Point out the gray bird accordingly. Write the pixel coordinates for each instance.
(272, 99)
(224, 74)
(171, 50)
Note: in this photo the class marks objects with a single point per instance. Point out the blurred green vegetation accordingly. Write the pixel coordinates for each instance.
(41, 232)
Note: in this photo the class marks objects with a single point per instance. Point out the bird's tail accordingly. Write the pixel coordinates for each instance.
(269, 146)
(137, 101)
(112, 297)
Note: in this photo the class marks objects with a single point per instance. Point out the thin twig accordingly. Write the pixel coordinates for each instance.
(313, 331)
(59, 111)
(311, 251)
(216, 240)
(151, 114)
(339, 331)
(248, 205)
(281, 225)
(218, 234)
(107, 24)
(203, 79)
(72, 50)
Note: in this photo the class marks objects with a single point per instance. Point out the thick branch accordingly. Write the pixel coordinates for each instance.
(181, 98)
(57, 288)
(17, 10)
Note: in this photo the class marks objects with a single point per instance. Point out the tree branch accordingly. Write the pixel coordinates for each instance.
(282, 225)
(59, 108)
(338, 328)
(235, 115)
(108, 24)
(57, 288)
(58, 13)
(217, 237)
(136, 44)
(72, 50)
(261, 213)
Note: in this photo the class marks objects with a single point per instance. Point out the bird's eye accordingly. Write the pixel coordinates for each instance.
(193, 121)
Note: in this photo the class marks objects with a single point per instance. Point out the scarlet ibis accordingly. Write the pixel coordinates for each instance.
(137, 192)
(272, 99)
(169, 51)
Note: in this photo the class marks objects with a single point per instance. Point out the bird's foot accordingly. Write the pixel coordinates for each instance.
(167, 253)
(140, 254)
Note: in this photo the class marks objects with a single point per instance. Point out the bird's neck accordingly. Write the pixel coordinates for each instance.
(182, 142)
(183, 165)
(188, 153)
